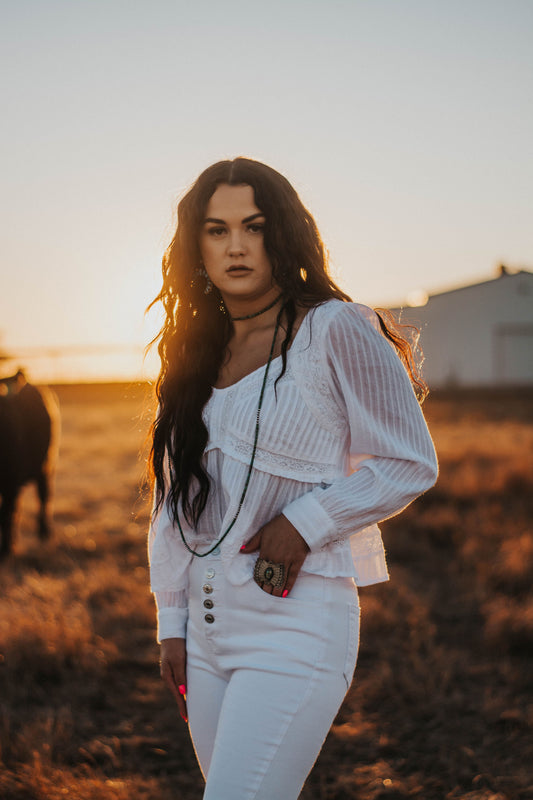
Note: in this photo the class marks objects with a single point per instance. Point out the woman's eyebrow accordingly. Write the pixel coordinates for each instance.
(252, 216)
(215, 221)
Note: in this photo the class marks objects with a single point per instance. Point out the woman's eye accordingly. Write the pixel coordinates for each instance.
(256, 228)
(216, 231)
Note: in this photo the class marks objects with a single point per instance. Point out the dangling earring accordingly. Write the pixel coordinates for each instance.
(208, 282)
(202, 272)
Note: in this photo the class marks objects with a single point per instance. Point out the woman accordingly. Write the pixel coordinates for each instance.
(287, 428)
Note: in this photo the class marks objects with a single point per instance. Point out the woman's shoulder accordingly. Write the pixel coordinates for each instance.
(335, 326)
(341, 314)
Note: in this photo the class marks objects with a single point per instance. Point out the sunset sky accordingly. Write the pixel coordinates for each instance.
(405, 125)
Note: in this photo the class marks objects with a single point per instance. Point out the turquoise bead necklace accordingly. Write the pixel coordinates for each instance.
(250, 467)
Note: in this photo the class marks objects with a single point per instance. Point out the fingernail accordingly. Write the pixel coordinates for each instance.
(184, 718)
(182, 689)
(285, 593)
(243, 547)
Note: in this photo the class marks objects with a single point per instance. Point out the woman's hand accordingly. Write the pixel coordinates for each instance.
(173, 671)
(280, 542)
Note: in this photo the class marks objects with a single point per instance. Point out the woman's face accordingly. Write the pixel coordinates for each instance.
(232, 245)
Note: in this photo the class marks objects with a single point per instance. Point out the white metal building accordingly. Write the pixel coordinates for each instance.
(478, 335)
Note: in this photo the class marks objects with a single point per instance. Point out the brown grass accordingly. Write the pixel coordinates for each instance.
(442, 703)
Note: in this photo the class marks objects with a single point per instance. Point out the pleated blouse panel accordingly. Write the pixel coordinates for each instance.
(291, 444)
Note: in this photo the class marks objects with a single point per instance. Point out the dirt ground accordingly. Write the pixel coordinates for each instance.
(441, 707)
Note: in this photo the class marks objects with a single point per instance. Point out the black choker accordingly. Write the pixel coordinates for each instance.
(258, 313)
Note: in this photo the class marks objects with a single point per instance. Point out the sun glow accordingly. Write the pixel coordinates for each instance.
(418, 297)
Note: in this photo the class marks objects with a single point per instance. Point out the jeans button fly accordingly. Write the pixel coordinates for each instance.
(210, 573)
(207, 588)
(209, 618)
(208, 604)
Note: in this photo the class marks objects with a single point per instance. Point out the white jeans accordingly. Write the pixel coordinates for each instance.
(265, 678)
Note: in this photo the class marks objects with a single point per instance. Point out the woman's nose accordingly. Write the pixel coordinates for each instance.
(236, 243)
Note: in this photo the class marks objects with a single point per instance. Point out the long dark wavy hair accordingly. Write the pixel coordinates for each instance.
(193, 340)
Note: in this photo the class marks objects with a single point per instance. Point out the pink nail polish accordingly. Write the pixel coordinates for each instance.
(285, 593)
(181, 689)
(184, 718)
(243, 547)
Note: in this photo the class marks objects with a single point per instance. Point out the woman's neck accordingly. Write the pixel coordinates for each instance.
(249, 313)
(261, 311)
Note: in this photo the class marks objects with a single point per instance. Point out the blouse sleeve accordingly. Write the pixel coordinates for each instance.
(170, 588)
(388, 439)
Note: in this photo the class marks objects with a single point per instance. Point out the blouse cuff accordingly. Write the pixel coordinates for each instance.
(310, 520)
(171, 623)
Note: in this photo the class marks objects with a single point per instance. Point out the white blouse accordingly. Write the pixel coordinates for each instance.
(342, 445)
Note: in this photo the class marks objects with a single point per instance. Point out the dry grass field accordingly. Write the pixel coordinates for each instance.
(442, 703)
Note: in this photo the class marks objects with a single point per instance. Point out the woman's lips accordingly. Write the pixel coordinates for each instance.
(238, 269)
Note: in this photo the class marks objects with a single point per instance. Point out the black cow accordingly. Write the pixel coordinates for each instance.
(27, 422)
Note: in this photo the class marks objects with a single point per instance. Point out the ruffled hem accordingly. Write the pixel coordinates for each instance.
(353, 558)
(277, 465)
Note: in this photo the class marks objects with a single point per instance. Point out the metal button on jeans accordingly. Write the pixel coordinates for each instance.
(208, 604)
(209, 618)
(210, 573)
(216, 551)
(207, 588)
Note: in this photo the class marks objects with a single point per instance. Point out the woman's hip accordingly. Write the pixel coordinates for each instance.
(232, 627)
